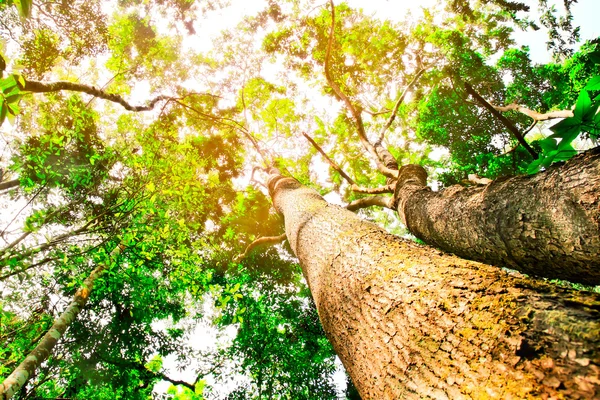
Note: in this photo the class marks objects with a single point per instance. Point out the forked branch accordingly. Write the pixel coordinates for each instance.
(505, 121)
(356, 115)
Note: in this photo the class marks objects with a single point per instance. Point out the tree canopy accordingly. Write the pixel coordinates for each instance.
(135, 143)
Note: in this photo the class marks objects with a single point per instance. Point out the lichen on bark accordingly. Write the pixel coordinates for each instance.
(410, 321)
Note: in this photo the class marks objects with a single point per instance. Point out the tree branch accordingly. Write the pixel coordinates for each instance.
(536, 116)
(329, 160)
(509, 125)
(266, 240)
(356, 115)
(9, 184)
(397, 105)
(380, 190)
(40, 87)
(380, 201)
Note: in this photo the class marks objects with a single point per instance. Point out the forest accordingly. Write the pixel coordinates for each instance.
(292, 199)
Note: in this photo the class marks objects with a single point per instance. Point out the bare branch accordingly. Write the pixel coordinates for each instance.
(380, 190)
(266, 240)
(329, 160)
(397, 105)
(380, 201)
(536, 116)
(509, 125)
(356, 115)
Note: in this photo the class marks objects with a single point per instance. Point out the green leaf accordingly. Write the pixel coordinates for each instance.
(24, 7)
(14, 98)
(583, 105)
(3, 111)
(535, 166)
(595, 56)
(593, 84)
(7, 83)
(548, 144)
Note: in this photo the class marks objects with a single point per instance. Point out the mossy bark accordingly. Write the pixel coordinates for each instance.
(546, 224)
(411, 322)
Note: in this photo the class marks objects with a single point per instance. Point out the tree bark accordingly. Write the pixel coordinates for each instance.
(42, 351)
(410, 322)
(545, 225)
(9, 184)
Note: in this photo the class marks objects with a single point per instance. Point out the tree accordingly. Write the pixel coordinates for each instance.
(90, 167)
(478, 223)
(412, 322)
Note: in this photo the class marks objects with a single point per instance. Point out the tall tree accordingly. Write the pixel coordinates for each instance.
(408, 321)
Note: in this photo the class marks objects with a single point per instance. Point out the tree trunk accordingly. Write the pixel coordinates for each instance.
(42, 351)
(546, 224)
(410, 322)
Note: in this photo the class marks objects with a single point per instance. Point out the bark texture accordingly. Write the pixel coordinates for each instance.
(42, 351)
(551, 219)
(410, 322)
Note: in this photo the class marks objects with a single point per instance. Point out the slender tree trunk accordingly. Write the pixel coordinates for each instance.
(42, 351)
(411, 322)
(546, 224)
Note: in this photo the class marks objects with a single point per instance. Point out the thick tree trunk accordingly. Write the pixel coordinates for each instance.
(410, 322)
(545, 225)
(42, 351)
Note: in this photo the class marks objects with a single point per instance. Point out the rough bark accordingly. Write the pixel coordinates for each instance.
(410, 322)
(546, 224)
(42, 351)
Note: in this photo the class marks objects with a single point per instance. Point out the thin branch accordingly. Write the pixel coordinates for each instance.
(15, 242)
(329, 160)
(380, 201)
(9, 184)
(509, 125)
(356, 115)
(21, 210)
(397, 105)
(266, 241)
(380, 190)
(536, 116)
(375, 113)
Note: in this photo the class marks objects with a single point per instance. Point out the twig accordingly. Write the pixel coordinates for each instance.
(329, 160)
(266, 240)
